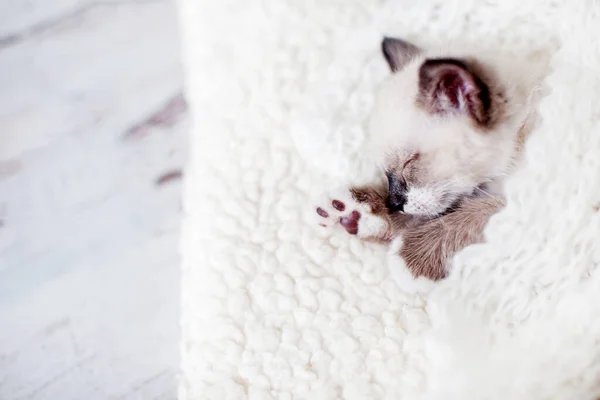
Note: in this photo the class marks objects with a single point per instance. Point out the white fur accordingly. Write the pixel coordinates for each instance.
(270, 310)
(424, 201)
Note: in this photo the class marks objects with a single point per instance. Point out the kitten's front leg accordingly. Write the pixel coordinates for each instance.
(422, 254)
(361, 211)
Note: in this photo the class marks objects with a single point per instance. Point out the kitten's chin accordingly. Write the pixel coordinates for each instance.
(426, 211)
(432, 211)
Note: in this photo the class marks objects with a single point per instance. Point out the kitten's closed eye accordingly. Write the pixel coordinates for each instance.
(408, 167)
(414, 157)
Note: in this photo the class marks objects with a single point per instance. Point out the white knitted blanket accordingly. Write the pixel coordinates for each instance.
(279, 93)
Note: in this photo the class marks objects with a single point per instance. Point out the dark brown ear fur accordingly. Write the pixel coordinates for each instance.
(398, 52)
(449, 86)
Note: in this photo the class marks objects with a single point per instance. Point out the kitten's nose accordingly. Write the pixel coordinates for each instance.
(396, 194)
(395, 202)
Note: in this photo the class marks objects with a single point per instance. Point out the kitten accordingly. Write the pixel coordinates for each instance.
(448, 129)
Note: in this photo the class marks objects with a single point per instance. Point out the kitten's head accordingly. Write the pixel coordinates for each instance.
(441, 128)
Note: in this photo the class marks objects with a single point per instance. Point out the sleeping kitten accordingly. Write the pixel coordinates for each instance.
(447, 129)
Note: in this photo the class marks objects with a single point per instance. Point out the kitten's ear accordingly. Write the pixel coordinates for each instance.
(397, 52)
(448, 86)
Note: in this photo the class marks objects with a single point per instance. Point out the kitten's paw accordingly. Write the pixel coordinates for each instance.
(356, 217)
(348, 220)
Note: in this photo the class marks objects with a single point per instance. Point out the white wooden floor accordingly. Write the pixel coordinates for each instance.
(92, 136)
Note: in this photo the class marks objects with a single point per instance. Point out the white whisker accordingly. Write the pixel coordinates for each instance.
(484, 192)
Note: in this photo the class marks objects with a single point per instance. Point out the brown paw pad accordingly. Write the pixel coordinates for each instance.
(350, 222)
(322, 212)
(338, 205)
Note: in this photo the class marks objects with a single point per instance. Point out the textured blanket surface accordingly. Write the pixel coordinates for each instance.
(275, 309)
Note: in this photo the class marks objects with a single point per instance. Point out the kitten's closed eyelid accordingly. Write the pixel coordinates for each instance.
(406, 166)
(414, 157)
